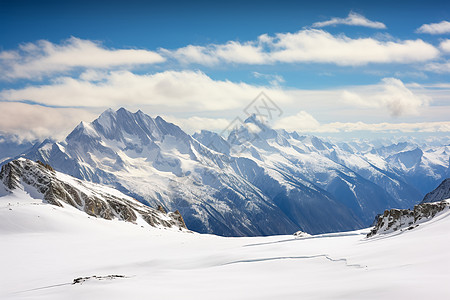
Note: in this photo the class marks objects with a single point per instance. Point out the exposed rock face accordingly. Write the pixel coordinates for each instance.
(442, 192)
(399, 219)
(41, 180)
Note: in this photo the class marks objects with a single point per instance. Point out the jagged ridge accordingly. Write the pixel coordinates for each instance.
(56, 188)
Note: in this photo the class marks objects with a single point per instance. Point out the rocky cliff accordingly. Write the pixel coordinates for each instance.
(407, 219)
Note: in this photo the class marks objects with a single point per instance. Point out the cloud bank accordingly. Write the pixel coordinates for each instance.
(31, 122)
(194, 91)
(304, 122)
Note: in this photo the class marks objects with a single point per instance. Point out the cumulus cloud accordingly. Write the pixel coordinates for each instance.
(435, 28)
(445, 45)
(353, 19)
(34, 60)
(390, 94)
(308, 46)
(31, 122)
(302, 121)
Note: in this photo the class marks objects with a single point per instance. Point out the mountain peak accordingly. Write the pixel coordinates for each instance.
(253, 119)
(83, 129)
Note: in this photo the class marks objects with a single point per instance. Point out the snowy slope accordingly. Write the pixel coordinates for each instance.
(45, 248)
(45, 186)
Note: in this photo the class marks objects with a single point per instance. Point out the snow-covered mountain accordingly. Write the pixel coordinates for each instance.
(159, 164)
(420, 165)
(38, 181)
(256, 181)
(357, 177)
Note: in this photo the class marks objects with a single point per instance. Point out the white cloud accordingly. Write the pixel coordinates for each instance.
(304, 122)
(390, 94)
(214, 103)
(169, 90)
(445, 45)
(231, 52)
(173, 92)
(308, 46)
(323, 47)
(438, 67)
(43, 58)
(34, 60)
(272, 79)
(31, 122)
(195, 124)
(435, 28)
(353, 19)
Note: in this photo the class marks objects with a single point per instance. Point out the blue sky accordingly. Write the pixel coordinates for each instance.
(334, 67)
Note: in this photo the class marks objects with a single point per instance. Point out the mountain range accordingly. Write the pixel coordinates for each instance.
(255, 181)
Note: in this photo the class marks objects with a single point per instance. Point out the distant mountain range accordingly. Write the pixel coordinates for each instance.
(255, 181)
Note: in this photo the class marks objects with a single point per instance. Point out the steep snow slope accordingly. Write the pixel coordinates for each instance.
(49, 252)
(46, 186)
(159, 164)
(442, 192)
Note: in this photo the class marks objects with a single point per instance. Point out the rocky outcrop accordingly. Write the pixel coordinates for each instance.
(40, 179)
(401, 219)
(442, 192)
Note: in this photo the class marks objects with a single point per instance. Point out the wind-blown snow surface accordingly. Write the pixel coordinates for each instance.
(44, 248)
